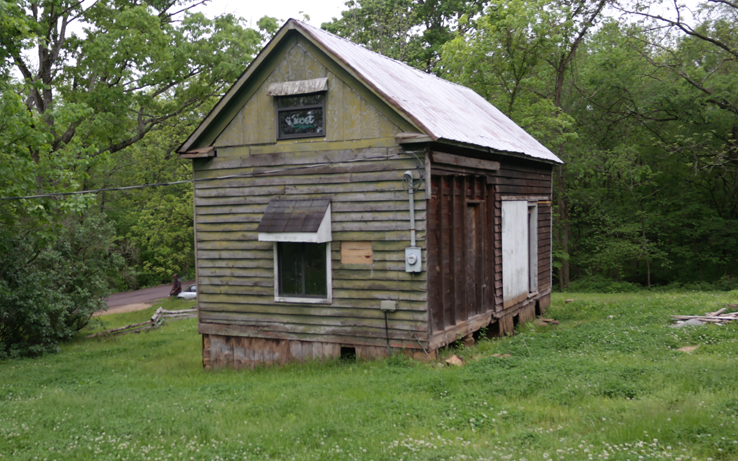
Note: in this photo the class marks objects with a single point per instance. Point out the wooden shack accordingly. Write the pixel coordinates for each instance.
(348, 203)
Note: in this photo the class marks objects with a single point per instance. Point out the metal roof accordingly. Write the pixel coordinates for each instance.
(445, 110)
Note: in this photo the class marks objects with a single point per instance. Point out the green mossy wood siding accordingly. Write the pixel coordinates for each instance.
(349, 116)
(359, 167)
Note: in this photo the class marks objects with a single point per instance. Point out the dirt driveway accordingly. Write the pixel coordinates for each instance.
(130, 301)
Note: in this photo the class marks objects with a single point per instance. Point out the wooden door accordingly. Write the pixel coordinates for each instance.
(460, 241)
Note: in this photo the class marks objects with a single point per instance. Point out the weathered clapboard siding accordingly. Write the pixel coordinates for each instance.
(226, 329)
(348, 116)
(455, 191)
(545, 246)
(524, 178)
(236, 272)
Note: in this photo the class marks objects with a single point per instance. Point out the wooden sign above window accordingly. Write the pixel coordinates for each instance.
(300, 107)
(316, 85)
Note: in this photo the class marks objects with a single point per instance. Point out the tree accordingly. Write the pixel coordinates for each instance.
(519, 55)
(105, 77)
(412, 31)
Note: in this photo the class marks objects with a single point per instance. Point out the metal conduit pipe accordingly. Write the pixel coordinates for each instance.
(411, 194)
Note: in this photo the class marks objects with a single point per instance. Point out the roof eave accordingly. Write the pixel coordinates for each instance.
(490, 150)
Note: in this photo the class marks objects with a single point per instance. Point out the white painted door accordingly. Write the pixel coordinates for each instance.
(515, 252)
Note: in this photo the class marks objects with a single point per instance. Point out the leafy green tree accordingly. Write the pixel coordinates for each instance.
(97, 79)
(412, 31)
(519, 55)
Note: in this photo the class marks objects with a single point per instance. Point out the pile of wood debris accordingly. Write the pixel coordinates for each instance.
(719, 317)
(155, 322)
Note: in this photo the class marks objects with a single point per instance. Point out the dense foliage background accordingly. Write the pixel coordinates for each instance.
(639, 100)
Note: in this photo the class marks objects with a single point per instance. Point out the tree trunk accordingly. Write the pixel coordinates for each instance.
(645, 251)
(563, 227)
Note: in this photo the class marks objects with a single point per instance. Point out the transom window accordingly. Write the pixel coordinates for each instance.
(301, 116)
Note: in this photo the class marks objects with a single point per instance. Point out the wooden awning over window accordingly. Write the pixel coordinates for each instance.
(296, 221)
(296, 87)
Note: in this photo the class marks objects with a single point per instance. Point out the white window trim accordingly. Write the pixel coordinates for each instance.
(305, 300)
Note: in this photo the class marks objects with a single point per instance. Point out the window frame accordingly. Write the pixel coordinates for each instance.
(321, 106)
(287, 298)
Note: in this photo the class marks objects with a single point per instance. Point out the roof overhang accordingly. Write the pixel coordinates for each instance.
(296, 221)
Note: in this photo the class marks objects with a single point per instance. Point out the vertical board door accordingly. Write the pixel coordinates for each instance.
(460, 249)
(515, 252)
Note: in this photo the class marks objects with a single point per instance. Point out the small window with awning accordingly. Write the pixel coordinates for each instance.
(301, 232)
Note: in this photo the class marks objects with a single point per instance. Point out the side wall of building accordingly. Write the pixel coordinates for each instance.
(466, 268)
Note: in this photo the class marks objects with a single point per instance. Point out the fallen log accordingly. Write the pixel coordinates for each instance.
(705, 318)
(119, 329)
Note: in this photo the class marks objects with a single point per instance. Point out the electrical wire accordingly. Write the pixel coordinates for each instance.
(416, 186)
(421, 173)
(194, 180)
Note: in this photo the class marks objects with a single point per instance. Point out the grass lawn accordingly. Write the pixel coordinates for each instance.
(607, 383)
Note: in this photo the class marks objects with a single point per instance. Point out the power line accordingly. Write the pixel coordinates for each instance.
(187, 181)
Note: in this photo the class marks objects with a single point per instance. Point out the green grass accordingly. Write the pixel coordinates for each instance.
(607, 383)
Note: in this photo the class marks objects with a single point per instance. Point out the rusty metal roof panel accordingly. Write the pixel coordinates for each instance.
(445, 110)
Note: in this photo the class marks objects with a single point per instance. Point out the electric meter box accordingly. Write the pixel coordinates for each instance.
(413, 260)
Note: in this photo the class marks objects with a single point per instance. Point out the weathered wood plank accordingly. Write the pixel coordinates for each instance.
(235, 272)
(466, 162)
(342, 297)
(400, 218)
(242, 197)
(234, 245)
(285, 177)
(355, 272)
(323, 330)
(311, 320)
(351, 340)
(241, 264)
(349, 296)
(416, 314)
(239, 191)
(397, 163)
(399, 236)
(235, 254)
(354, 209)
(522, 190)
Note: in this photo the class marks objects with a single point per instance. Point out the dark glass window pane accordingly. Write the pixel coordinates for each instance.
(302, 269)
(297, 101)
(290, 268)
(301, 121)
(315, 270)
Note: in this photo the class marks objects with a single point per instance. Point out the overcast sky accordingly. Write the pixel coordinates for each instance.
(319, 11)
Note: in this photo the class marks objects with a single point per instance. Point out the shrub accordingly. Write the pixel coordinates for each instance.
(47, 294)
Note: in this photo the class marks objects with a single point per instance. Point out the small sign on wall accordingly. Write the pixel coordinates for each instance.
(356, 253)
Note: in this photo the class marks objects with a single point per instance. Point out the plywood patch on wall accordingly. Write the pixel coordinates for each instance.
(356, 253)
